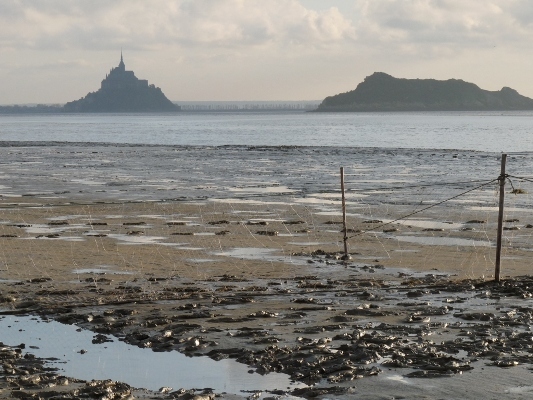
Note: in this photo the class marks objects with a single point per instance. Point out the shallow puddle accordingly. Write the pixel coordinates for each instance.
(88, 182)
(133, 239)
(250, 253)
(495, 209)
(256, 220)
(69, 238)
(337, 213)
(307, 243)
(248, 201)
(258, 253)
(317, 201)
(338, 195)
(424, 223)
(42, 229)
(266, 189)
(443, 241)
(103, 269)
(141, 368)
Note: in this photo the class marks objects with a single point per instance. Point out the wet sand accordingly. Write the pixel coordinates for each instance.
(237, 253)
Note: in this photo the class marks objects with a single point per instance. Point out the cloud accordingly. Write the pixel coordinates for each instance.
(445, 24)
(398, 26)
(63, 24)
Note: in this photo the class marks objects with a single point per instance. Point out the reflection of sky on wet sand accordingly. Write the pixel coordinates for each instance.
(427, 224)
(307, 243)
(138, 367)
(134, 239)
(47, 229)
(251, 253)
(101, 270)
(87, 182)
(337, 213)
(495, 209)
(338, 195)
(315, 200)
(248, 201)
(258, 253)
(269, 189)
(442, 241)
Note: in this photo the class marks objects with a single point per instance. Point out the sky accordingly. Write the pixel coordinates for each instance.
(54, 51)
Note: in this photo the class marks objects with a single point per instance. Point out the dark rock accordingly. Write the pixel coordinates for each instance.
(382, 92)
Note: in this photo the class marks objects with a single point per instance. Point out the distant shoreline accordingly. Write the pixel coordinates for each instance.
(57, 110)
(189, 106)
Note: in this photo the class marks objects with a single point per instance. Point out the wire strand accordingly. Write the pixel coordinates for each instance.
(521, 177)
(426, 208)
(411, 186)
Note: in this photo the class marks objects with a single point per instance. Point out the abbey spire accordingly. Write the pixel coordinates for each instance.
(121, 64)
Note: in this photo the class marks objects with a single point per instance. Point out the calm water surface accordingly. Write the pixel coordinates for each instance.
(486, 131)
(133, 365)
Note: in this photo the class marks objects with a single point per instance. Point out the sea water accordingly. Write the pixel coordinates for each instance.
(485, 131)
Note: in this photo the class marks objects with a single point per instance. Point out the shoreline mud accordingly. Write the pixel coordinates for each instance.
(237, 254)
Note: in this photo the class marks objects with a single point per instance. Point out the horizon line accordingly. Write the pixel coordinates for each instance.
(176, 101)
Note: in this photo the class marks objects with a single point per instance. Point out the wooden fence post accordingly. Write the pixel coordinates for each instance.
(344, 229)
(502, 179)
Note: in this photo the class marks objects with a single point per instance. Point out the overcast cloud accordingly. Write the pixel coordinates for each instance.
(58, 50)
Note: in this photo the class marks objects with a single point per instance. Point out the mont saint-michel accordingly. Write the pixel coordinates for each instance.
(122, 91)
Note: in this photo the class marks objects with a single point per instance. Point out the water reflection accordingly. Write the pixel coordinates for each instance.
(137, 367)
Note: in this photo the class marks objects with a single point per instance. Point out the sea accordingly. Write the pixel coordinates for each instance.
(479, 131)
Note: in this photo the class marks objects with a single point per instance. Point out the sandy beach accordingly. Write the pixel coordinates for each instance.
(236, 253)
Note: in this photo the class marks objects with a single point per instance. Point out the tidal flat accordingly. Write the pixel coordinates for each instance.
(234, 255)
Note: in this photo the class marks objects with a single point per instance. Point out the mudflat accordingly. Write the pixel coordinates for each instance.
(238, 253)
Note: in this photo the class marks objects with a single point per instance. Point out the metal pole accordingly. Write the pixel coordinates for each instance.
(344, 230)
(500, 220)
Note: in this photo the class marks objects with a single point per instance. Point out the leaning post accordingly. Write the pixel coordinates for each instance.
(501, 179)
(344, 229)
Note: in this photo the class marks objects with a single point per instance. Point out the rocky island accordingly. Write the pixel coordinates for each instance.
(122, 91)
(382, 92)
